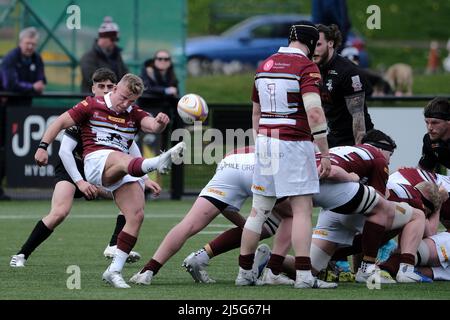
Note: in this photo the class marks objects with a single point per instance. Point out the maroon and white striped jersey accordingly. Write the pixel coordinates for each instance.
(413, 176)
(365, 160)
(280, 82)
(406, 193)
(103, 128)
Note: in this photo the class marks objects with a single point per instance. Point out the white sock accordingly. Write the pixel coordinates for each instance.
(304, 274)
(150, 164)
(120, 257)
(405, 267)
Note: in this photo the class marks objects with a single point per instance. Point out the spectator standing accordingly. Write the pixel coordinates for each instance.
(161, 85)
(22, 69)
(159, 76)
(104, 54)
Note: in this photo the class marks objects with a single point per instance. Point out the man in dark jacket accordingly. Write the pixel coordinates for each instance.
(104, 54)
(22, 70)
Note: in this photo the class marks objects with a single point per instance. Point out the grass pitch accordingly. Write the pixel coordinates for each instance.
(81, 239)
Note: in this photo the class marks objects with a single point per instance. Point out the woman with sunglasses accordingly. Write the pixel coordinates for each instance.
(161, 88)
(159, 76)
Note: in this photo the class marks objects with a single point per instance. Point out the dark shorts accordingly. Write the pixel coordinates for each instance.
(217, 203)
(62, 175)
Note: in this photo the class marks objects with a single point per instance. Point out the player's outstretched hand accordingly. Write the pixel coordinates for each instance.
(89, 190)
(153, 186)
(324, 168)
(41, 157)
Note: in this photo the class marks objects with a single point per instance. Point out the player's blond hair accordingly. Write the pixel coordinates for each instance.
(133, 83)
(430, 191)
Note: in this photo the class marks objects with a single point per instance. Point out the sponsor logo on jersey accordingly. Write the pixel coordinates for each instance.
(315, 75)
(321, 232)
(114, 119)
(97, 116)
(259, 188)
(356, 83)
(84, 103)
(220, 193)
(268, 65)
(329, 85)
(333, 72)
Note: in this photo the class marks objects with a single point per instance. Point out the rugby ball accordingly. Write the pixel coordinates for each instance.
(192, 107)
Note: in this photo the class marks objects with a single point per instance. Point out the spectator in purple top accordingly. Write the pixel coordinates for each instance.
(22, 69)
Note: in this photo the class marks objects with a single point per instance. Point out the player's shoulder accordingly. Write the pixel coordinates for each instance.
(90, 101)
(135, 109)
(374, 151)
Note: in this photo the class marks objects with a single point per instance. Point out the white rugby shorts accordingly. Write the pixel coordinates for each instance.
(284, 168)
(334, 194)
(338, 228)
(94, 164)
(442, 242)
(232, 181)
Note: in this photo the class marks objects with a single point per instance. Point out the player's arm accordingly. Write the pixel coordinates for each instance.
(66, 154)
(318, 125)
(62, 122)
(431, 224)
(355, 105)
(339, 174)
(256, 115)
(155, 124)
(379, 177)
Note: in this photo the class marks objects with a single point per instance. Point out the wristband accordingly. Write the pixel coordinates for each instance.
(326, 157)
(43, 145)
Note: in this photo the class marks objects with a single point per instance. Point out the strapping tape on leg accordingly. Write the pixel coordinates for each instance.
(263, 206)
(403, 214)
(319, 258)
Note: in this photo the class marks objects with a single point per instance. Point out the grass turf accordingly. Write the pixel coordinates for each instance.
(81, 239)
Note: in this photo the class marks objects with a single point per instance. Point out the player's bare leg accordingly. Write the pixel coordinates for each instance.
(198, 217)
(62, 200)
(130, 199)
(409, 242)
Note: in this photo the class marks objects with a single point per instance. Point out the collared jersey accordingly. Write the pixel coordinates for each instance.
(280, 82)
(103, 128)
(364, 160)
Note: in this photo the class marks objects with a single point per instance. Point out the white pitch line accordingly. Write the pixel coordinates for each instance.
(211, 232)
(221, 225)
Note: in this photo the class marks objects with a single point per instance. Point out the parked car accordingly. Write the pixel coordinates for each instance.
(248, 42)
